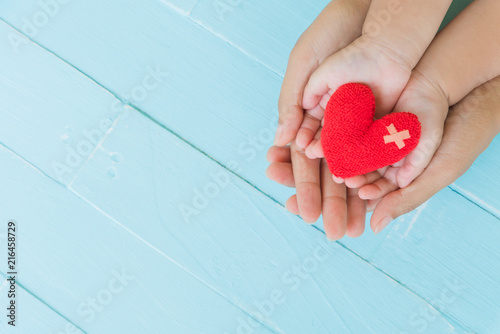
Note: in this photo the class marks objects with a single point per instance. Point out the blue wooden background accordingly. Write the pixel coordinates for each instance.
(132, 157)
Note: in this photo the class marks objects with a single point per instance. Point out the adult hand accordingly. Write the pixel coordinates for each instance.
(337, 26)
(343, 211)
(469, 129)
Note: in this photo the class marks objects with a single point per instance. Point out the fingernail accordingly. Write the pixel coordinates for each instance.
(279, 132)
(337, 179)
(383, 224)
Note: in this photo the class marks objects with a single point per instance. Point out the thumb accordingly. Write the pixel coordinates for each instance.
(431, 107)
(290, 101)
(404, 200)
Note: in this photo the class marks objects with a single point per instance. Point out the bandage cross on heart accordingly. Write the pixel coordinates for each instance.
(354, 143)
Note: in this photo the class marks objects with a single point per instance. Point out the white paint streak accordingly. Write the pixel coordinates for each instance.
(4, 283)
(418, 211)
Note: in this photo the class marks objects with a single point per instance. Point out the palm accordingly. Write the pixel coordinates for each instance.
(336, 27)
(368, 65)
(431, 108)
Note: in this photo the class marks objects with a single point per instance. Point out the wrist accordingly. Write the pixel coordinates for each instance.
(386, 50)
(404, 27)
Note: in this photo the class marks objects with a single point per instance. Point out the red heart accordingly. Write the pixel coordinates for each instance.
(353, 143)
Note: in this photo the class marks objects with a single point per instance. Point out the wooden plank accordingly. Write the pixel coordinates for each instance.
(246, 133)
(95, 272)
(50, 113)
(265, 30)
(238, 241)
(481, 183)
(232, 100)
(447, 251)
(73, 43)
(244, 115)
(32, 315)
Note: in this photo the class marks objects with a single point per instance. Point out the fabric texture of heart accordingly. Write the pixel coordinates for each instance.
(354, 143)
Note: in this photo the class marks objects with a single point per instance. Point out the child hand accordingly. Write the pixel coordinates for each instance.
(425, 99)
(337, 26)
(394, 38)
(470, 127)
(365, 61)
(455, 63)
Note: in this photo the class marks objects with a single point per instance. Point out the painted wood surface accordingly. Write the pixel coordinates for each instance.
(240, 122)
(204, 66)
(239, 243)
(183, 6)
(97, 273)
(33, 315)
(48, 108)
(169, 110)
(265, 30)
(448, 244)
(480, 183)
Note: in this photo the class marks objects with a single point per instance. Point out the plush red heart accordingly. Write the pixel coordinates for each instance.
(354, 143)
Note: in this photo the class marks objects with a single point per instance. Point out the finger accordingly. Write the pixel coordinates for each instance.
(324, 100)
(312, 151)
(279, 154)
(381, 187)
(290, 100)
(315, 149)
(415, 162)
(372, 204)
(466, 134)
(431, 107)
(282, 173)
(310, 126)
(359, 181)
(292, 205)
(334, 205)
(356, 214)
(327, 77)
(334, 28)
(307, 182)
(402, 201)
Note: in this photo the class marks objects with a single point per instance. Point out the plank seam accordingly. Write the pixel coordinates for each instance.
(201, 151)
(188, 16)
(44, 303)
(475, 200)
(147, 244)
(445, 315)
(192, 9)
(98, 146)
(154, 248)
(227, 41)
